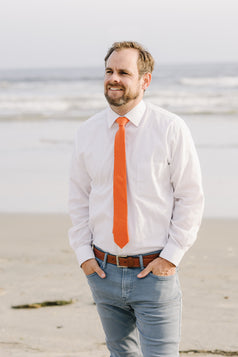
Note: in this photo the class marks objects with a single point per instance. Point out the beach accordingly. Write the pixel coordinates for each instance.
(37, 265)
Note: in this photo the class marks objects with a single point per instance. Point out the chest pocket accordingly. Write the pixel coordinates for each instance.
(151, 178)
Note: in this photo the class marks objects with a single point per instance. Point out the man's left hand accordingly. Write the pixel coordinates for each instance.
(160, 267)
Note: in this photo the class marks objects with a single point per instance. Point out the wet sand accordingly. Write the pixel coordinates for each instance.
(37, 265)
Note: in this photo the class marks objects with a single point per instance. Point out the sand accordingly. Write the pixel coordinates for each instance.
(37, 265)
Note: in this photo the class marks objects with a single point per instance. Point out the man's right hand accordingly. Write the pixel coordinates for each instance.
(91, 266)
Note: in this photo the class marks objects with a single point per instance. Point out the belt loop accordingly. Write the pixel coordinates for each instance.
(141, 261)
(105, 260)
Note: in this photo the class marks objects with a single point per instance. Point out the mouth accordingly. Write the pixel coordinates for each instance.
(115, 89)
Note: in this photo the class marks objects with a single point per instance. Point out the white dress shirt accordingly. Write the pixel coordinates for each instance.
(164, 190)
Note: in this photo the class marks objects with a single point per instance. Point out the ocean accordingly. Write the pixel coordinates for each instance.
(40, 110)
(77, 93)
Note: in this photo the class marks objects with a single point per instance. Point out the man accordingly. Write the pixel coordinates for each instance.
(136, 204)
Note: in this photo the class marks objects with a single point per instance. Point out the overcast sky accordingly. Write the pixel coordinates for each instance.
(49, 33)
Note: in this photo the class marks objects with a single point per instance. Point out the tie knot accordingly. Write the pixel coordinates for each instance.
(122, 121)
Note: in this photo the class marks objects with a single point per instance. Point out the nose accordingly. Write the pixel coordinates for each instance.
(114, 77)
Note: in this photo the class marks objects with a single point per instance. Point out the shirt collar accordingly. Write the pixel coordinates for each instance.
(135, 115)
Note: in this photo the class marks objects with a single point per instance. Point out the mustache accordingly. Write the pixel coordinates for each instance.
(115, 86)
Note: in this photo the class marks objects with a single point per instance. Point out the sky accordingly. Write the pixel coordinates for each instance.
(73, 33)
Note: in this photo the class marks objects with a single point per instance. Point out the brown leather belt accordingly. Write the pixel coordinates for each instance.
(125, 261)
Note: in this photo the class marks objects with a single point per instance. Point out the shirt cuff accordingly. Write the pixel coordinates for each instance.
(172, 252)
(84, 253)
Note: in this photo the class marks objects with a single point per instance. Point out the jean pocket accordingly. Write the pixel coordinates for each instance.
(163, 277)
(165, 288)
(91, 275)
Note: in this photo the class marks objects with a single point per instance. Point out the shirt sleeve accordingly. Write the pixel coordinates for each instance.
(185, 175)
(80, 236)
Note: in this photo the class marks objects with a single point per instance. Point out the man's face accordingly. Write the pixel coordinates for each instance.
(122, 84)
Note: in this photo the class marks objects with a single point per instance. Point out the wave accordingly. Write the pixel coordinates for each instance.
(188, 102)
(85, 105)
(225, 82)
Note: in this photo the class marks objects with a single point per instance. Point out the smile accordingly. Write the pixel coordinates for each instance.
(114, 88)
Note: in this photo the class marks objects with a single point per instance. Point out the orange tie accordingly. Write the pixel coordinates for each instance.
(120, 227)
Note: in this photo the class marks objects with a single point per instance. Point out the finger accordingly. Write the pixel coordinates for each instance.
(144, 272)
(100, 272)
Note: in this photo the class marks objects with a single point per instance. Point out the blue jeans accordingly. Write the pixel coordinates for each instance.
(138, 314)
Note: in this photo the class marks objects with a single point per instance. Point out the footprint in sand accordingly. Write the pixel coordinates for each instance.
(2, 291)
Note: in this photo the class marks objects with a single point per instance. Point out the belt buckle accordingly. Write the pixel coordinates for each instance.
(118, 263)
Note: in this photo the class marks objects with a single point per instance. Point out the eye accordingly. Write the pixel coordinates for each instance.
(108, 71)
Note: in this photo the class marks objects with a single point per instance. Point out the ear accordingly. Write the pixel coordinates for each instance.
(146, 80)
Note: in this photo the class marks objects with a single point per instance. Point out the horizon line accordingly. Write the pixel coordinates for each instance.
(158, 64)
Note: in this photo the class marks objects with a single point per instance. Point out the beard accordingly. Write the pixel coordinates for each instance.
(124, 99)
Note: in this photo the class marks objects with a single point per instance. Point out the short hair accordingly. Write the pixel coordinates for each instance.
(145, 61)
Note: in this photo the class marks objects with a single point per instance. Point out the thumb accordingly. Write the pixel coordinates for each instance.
(144, 272)
(100, 272)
